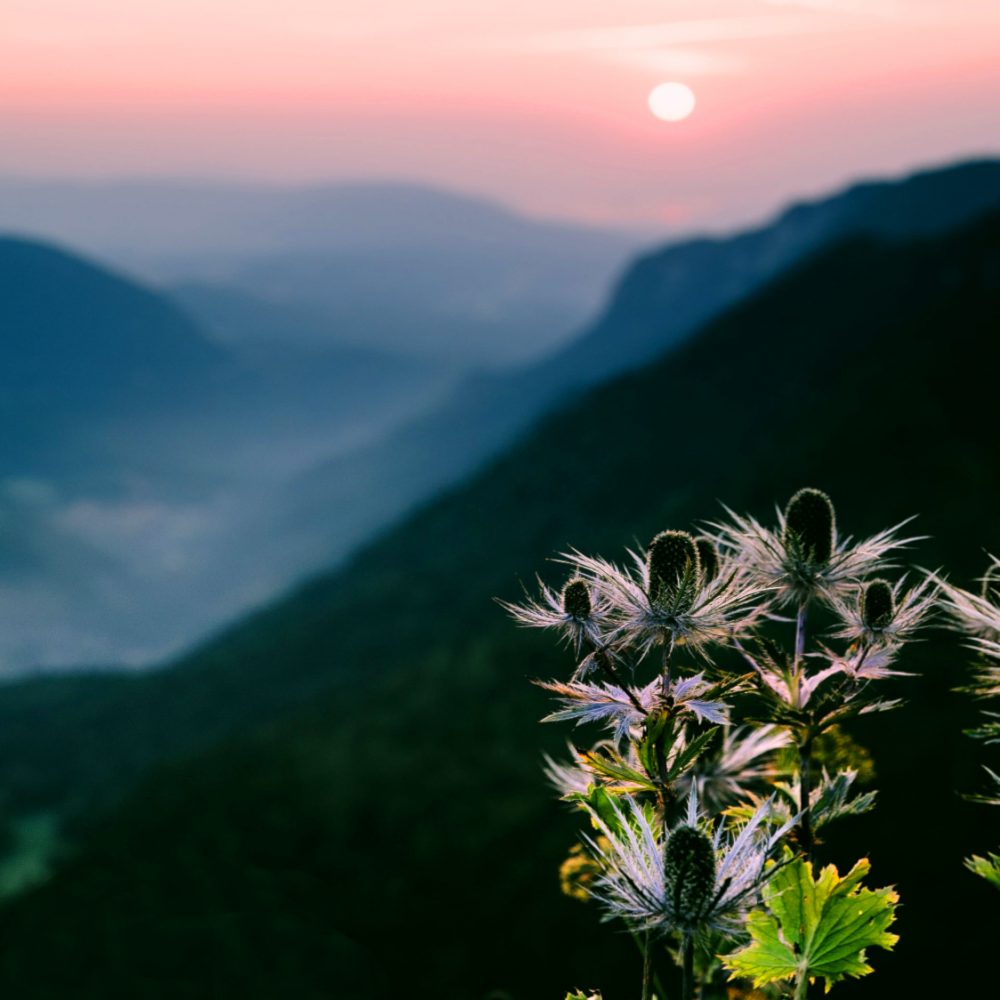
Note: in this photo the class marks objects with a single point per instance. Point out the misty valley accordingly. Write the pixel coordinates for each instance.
(273, 453)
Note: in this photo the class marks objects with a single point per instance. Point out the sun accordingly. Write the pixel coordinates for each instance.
(671, 102)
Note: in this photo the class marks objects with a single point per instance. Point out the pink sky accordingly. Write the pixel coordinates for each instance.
(541, 103)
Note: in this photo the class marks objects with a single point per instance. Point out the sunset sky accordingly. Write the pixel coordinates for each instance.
(541, 103)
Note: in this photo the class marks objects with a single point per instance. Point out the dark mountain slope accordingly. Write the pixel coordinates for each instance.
(71, 327)
(661, 300)
(136, 448)
(405, 810)
(668, 293)
(82, 344)
(393, 266)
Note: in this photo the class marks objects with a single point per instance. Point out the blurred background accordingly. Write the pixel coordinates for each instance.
(323, 323)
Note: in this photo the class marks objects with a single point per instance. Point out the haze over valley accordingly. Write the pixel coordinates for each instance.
(168, 377)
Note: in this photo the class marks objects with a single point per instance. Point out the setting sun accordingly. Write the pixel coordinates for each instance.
(671, 102)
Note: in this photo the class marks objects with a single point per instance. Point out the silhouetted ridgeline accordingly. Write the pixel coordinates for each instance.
(401, 268)
(135, 446)
(662, 299)
(397, 836)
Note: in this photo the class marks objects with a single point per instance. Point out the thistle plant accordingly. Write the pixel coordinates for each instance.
(977, 616)
(716, 666)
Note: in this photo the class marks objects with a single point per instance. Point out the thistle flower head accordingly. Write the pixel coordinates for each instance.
(696, 881)
(576, 600)
(578, 611)
(672, 569)
(877, 605)
(809, 527)
(805, 557)
(689, 875)
(879, 613)
(667, 594)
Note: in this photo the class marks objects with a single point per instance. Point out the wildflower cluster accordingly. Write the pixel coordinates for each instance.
(977, 616)
(718, 664)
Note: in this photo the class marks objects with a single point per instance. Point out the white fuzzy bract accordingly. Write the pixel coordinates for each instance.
(791, 578)
(742, 762)
(547, 611)
(623, 710)
(633, 885)
(728, 603)
(911, 609)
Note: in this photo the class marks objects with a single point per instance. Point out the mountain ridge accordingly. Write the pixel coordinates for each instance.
(411, 786)
(656, 304)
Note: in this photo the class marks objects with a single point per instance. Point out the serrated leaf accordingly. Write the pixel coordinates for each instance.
(613, 767)
(600, 802)
(987, 868)
(833, 799)
(686, 757)
(815, 927)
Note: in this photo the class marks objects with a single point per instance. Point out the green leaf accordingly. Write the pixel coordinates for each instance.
(815, 927)
(602, 806)
(987, 868)
(583, 996)
(690, 754)
(612, 766)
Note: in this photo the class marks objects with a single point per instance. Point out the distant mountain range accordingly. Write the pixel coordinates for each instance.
(190, 456)
(81, 344)
(660, 301)
(397, 832)
(392, 267)
(136, 446)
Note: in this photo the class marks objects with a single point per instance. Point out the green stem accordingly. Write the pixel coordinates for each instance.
(647, 965)
(668, 652)
(800, 633)
(805, 747)
(802, 986)
(805, 792)
(687, 968)
(804, 990)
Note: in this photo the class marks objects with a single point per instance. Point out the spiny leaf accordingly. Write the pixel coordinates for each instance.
(613, 767)
(690, 753)
(815, 927)
(987, 868)
(599, 800)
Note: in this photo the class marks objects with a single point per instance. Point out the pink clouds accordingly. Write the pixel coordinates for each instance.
(542, 104)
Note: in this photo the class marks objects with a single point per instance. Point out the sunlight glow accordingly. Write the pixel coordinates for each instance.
(671, 102)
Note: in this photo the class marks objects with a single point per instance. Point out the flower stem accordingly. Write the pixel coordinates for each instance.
(802, 986)
(668, 652)
(805, 990)
(687, 968)
(800, 633)
(805, 792)
(647, 964)
(805, 746)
